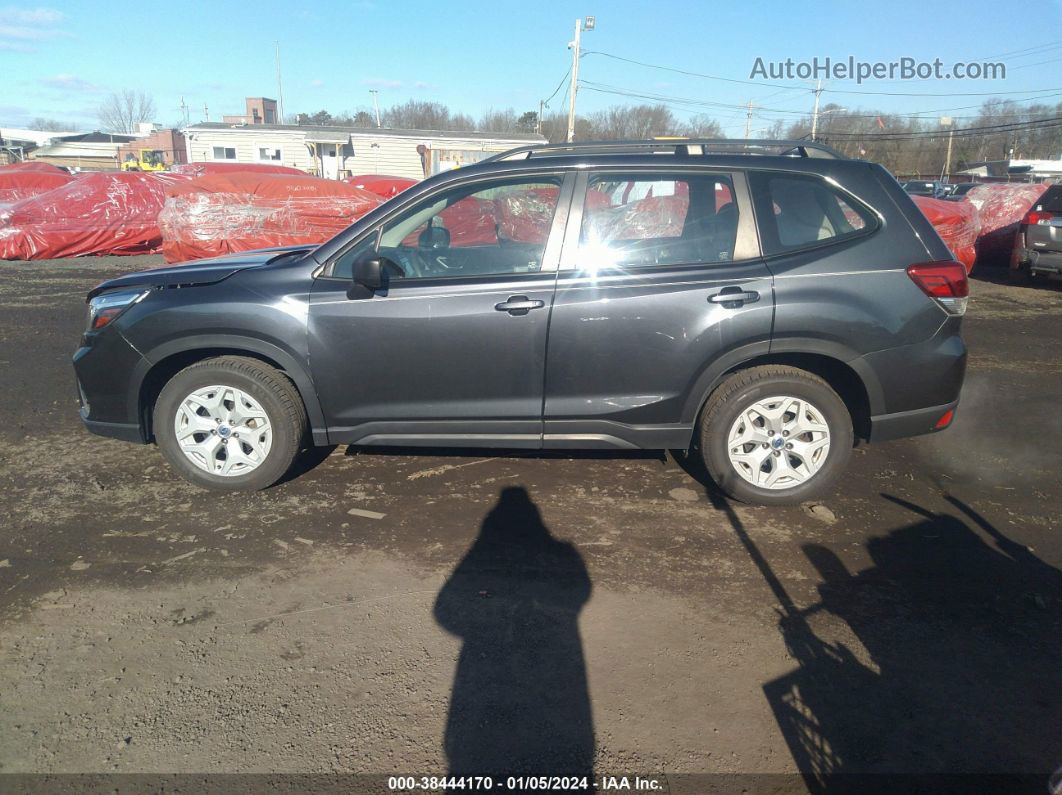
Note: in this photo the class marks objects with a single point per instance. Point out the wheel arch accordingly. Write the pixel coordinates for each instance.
(165, 362)
(851, 380)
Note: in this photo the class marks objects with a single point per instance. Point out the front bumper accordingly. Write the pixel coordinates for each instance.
(104, 366)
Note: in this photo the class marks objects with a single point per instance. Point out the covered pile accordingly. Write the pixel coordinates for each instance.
(222, 214)
(1001, 206)
(104, 213)
(19, 181)
(213, 169)
(957, 223)
(381, 184)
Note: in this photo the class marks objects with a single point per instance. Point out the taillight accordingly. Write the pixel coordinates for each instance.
(945, 282)
(1037, 217)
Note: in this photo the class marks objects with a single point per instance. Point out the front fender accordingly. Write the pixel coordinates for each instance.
(219, 344)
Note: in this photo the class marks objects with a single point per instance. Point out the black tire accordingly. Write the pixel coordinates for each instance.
(273, 391)
(746, 387)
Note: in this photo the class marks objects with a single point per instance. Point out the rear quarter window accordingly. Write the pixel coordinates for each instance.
(796, 211)
(1052, 199)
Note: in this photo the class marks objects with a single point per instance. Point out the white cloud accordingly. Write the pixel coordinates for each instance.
(316, 83)
(19, 27)
(70, 83)
(381, 83)
(31, 16)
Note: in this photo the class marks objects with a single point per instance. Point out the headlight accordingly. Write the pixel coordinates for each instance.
(105, 308)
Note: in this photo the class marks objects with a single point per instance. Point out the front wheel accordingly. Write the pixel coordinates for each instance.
(775, 435)
(230, 424)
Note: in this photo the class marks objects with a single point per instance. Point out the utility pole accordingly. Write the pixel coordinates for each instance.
(946, 121)
(206, 112)
(815, 113)
(748, 120)
(184, 112)
(280, 87)
(538, 121)
(574, 45)
(376, 104)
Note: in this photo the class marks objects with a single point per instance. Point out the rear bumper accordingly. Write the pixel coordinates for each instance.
(1043, 261)
(909, 423)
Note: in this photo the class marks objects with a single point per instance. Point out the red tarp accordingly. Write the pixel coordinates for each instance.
(380, 184)
(18, 184)
(1001, 206)
(216, 215)
(33, 165)
(957, 223)
(213, 169)
(94, 214)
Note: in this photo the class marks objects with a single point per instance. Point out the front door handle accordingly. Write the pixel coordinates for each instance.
(733, 297)
(519, 305)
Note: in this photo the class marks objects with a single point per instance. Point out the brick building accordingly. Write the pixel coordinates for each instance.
(260, 110)
(170, 142)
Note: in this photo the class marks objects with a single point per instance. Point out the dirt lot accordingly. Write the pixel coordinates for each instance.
(390, 612)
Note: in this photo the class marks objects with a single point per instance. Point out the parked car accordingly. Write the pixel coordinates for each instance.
(933, 190)
(763, 306)
(957, 191)
(1038, 241)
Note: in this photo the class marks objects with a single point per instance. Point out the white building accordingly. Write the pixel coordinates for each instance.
(336, 152)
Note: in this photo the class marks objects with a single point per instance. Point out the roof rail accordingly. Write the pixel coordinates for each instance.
(682, 147)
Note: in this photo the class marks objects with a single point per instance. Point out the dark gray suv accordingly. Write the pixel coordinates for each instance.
(766, 303)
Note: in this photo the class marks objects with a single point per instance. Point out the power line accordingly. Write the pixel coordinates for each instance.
(832, 90)
(558, 88)
(1050, 45)
(992, 129)
(635, 94)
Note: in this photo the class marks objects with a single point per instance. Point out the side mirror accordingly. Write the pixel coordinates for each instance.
(368, 272)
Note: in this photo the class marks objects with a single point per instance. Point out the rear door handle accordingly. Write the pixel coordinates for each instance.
(733, 297)
(519, 305)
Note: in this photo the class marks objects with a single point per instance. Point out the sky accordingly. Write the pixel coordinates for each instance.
(61, 59)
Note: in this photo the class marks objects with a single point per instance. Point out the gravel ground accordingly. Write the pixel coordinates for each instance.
(414, 612)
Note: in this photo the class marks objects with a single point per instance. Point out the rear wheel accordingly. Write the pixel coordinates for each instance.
(775, 435)
(230, 424)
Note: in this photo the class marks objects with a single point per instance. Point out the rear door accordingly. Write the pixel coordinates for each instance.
(660, 281)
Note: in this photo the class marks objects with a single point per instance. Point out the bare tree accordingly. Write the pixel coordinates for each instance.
(420, 115)
(51, 125)
(499, 121)
(122, 111)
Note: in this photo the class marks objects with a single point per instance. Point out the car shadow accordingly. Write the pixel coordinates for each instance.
(935, 669)
(520, 704)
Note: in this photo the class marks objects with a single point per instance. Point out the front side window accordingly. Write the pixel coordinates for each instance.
(478, 229)
(798, 211)
(224, 153)
(657, 220)
(268, 154)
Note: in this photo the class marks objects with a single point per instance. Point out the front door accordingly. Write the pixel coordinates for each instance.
(452, 348)
(660, 281)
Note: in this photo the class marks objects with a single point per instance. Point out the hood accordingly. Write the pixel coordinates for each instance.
(200, 272)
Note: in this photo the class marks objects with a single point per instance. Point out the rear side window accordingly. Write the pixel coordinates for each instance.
(639, 220)
(1052, 200)
(798, 212)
